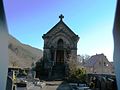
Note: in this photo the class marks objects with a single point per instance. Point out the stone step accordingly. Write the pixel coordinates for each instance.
(58, 72)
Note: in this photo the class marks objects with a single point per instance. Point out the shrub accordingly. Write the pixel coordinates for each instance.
(78, 75)
(75, 74)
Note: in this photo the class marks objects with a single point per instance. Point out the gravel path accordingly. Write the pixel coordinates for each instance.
(30, 86)
(50, 85)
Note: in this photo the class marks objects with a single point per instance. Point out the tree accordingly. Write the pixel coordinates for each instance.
(39, 68)
(83, 58)
(75, 74)
(72, 65)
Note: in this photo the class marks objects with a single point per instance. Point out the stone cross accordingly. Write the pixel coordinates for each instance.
(61, 17)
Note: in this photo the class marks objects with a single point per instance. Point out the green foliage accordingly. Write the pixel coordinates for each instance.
(78, 75)
(39, 68)
(75, 74)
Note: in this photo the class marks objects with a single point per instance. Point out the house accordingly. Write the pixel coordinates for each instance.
(99, 64)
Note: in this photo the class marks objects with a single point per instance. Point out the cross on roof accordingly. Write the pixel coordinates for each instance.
(61, 17)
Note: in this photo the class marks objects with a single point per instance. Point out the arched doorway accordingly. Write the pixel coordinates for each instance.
(60, 52)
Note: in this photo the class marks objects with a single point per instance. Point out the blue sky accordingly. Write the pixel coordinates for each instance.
(92, 20)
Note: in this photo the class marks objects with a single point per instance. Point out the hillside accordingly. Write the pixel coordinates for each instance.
(22, 55)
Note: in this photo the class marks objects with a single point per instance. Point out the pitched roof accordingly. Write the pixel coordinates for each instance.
(93, 59)
(57, 25)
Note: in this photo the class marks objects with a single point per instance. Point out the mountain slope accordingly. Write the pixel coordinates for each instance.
(22, 55)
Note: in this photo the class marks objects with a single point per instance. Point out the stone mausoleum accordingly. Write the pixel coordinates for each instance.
(60, 43)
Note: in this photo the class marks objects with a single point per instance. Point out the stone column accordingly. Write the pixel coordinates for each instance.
(116, 35)
(46, 58)
(3, 48)
(55, 57)
(64, 56)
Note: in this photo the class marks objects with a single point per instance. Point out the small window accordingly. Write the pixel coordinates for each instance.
(105, 64)
(60, 43)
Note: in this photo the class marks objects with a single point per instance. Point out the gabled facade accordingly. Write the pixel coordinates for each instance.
(60, 42)
(99, 64)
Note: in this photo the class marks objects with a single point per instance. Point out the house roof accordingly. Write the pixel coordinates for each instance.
(93, 59)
